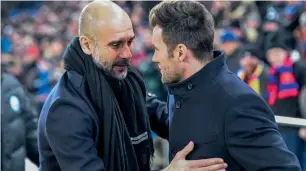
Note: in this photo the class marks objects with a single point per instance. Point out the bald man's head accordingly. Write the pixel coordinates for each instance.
(98, 14)
(106, 33)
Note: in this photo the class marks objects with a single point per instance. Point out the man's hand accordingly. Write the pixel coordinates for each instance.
(180, 164)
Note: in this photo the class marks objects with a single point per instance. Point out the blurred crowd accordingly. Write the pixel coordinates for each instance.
(253, 34)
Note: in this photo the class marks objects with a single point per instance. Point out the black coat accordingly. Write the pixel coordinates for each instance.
(227, 119)
(18, 126)
(68, 128)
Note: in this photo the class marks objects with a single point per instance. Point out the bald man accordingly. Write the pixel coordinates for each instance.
(96, 118)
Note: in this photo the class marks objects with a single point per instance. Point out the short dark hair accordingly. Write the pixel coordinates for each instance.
(185, 22)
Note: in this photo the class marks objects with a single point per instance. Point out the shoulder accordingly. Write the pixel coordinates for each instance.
(248, 101)
(249, 106)
(301, 64)
(69, 89)
(13, 92)
(299, 67)
(299, 70)
(9, 83)
(239, 96)
(66, 113)
(232, 86)
(67, 100)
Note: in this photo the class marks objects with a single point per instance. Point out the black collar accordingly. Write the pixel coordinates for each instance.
(205, 76)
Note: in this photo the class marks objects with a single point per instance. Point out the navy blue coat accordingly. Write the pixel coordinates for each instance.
(68, 128)
(227, 119)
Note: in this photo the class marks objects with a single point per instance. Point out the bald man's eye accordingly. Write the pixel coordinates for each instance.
(115, 45)
(130, 42)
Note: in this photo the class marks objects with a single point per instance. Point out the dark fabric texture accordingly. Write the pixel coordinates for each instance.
(116, 148)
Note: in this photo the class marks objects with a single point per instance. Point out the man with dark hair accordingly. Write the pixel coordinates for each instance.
(208, 104)
(96, 117)
(199, 37)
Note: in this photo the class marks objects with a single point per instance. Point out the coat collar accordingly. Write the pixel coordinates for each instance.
(75, 78)
(205, 76)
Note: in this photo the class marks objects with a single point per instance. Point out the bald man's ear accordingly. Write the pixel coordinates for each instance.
(86, 45)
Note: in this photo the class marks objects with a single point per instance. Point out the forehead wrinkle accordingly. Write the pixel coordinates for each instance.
(123, 35)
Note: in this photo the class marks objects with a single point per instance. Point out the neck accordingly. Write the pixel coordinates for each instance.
(193, 68)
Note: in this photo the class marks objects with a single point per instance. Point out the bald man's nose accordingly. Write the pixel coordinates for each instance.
(126, 52)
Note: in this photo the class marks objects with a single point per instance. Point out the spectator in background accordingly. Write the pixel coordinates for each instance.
(253, 70)
(270, 25)
(286, 80)
(217, 9)
(235, 27)
(251, 27)
(30, 62)
(18, 126)
(11, 64)
(6, 43)
(301, 35)
(232, 48)
(291, 14)
(36, 75)
(278, 56)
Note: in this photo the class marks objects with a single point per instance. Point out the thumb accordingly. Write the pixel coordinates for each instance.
(187, 149)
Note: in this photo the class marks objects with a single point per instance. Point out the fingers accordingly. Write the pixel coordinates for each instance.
(215, 167)
(205, 162)
(183, 153)
(302, 133)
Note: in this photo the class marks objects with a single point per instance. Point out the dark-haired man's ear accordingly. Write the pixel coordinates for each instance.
(182, 52)
(86, 45)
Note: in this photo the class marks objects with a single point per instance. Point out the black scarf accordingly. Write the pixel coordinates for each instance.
(125, 142)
